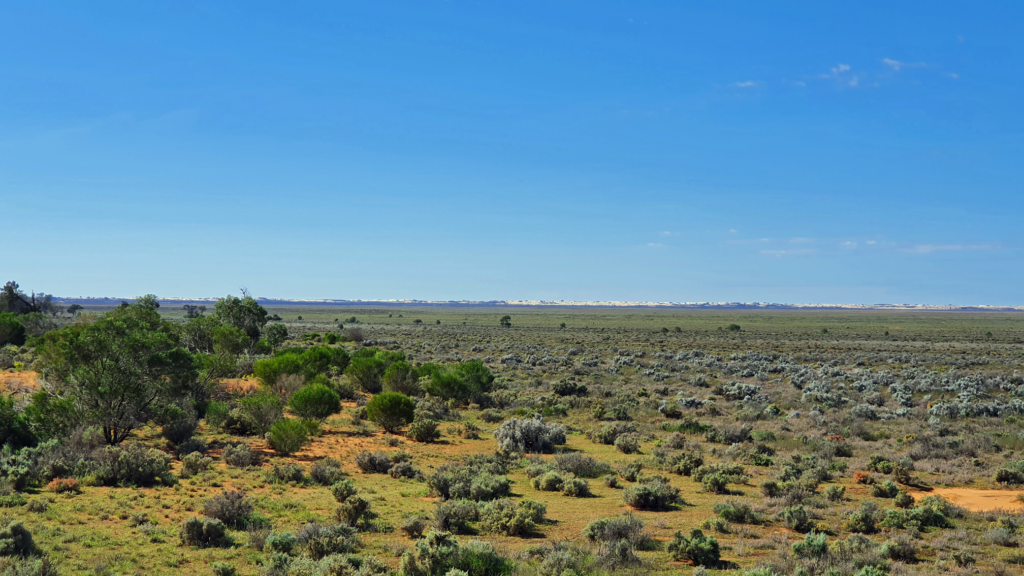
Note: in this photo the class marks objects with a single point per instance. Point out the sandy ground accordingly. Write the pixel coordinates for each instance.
(18, 382)
(977, 500)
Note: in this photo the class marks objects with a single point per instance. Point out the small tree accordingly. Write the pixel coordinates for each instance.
(277, 333)
(315, 402)
(287, 436)
(699, 549)
(11, 330)
(391, 410)
(506, 321)
(123, 371)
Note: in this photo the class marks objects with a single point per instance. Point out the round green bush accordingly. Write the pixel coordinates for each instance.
(12, 331)
(390, 410)
(287, 436)
(315, 402)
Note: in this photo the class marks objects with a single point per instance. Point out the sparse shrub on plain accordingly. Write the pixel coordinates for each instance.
(240, 456)
(531, 436)
(698, 549)
(391, 411)
(287, 436)
(326, 471)
(423, 430)
(231, 507)
(652, 495)
(204, 533)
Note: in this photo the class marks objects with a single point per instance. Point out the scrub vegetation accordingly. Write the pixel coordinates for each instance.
(230, 438)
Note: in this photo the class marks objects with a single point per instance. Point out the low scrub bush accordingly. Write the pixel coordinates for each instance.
(698, 549)
(342, 489)
(531, 436)
(441, 554)
(738, 513)
(455, 515)
(504, 516)
(287, 436)
(204, 533)
(576, 487)
(391, 411)
(64, 486)
(326, 471)
(652, 495)
(423, 430)
(628, 443)
(315, 402)
(240, 456)
(320, 541)
(195, 463)
(581, 465)
(373, 462)
(16, 540)
(231, 507)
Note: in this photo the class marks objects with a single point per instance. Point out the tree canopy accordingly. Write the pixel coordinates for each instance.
(122, 371)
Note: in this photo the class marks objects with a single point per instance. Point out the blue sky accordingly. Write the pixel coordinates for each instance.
(656, 151)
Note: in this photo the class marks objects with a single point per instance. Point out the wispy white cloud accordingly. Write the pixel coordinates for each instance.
(666, 233)
(732, 231)
(953, 75)
(790, 252)
(654, 245)
(802, 240)
(932, 248)
(746, 84)
(897, 65)
(849, 244)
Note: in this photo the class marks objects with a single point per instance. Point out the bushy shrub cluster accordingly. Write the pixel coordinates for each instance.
(618, 540)
(478, 478)
(441, 553)
(696, 548)
(231, 507)
(505, 516)
(653, 494)
(528, 436)
(398, 464)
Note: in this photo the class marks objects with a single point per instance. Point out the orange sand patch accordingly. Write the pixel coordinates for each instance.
(240, 385)
(18, 382)
(977, 500)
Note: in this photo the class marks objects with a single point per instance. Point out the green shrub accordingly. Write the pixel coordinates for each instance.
(796, 518)
(504, 516)
(326, 471)
(204, 533)
(280, 542)
(391, 410)
(12, 331)
(231, 507)
(260, 412)
(627, 443)
(865, 520)
(195, 463)
(715, 483)
(403, 378)
(651, 495)
(16, 540)
(835, 493)
(438, 553)
(321, 541)
(240, 456)
(315, 402)
(698, 549)
(373, 462)
(423, 430)
(738, 513)
(367, 372)
(576, 487)
(549, 482)
(455, 515)
(630, 472)
(813, 546)
(14, 426)
(131, 465)
(287, 436)
(887, 489)
(343, 489)
(903, 500)
(223, 569)
(353, 510)
(216, 415)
